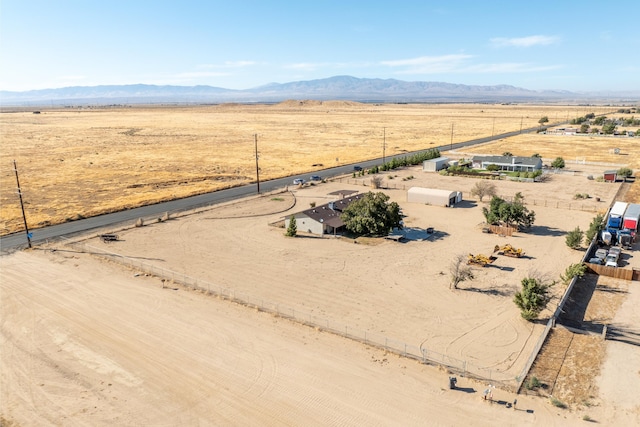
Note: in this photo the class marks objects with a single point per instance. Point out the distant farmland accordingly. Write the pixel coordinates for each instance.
(75, 163)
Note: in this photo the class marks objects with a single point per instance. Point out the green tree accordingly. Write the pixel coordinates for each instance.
(609, 128)
(292, 230)
(590, 116)
(373, 214)
(599, 120)
(536, 155)
(532, 298)
(574, 238)
(507, 154)
(558, 163)
(543, 120)
(625, 173)
(483, 188)
(584, 128)
(493, 168)
(514, 213)
(595, 227)
(574, 270)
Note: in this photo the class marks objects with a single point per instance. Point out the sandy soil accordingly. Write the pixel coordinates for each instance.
(88, 342)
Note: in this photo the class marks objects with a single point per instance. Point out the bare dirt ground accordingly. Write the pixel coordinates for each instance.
(87, 341)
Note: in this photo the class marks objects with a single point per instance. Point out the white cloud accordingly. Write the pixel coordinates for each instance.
(508, 67)
(306, 66)
(524, 41)
(200, 74)
(429, 64)
(229, 64)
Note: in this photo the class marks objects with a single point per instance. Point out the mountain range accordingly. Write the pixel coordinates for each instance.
(332, 88)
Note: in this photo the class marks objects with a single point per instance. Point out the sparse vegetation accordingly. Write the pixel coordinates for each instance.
(483, 188)
(532, 383)
(595, 227)
(557, 403)
(459, 271)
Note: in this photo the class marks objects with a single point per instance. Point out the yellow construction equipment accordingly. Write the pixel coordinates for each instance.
(480, 259)
(508, 250)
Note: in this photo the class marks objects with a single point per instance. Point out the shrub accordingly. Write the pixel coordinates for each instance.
(557, 403)
(532, 383)
(574, 238)
(532, 298)
(292, 230)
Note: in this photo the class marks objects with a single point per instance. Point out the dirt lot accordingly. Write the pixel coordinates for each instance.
(88, 341)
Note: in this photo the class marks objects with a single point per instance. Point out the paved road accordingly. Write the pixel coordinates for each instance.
(19, 240)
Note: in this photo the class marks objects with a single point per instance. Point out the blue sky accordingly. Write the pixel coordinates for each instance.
(571, 45)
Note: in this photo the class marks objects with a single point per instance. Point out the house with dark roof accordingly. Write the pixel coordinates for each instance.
(508, 163)
(323, 219)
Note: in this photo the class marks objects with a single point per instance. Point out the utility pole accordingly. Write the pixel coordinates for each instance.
(24, 217)
(493, 127)
(451, 142)
(521, 119)
(384, 145)
(257, 167)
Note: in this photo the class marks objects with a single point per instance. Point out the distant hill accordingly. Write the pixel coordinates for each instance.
(332, 88)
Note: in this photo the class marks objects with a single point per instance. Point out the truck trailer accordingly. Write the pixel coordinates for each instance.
(615, 215)
(631, 217)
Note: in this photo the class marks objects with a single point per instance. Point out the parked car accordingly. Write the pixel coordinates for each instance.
(357, 168)
(601, 253)
(298, 181)
(611, 260)
(315, 178)
(615, 250)
(596, 260)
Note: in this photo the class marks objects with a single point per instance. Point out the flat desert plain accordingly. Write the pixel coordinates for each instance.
(80, 162)
(88, 341)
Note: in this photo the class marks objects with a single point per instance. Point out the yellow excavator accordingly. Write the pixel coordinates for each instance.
(508, 250)
(480, 259)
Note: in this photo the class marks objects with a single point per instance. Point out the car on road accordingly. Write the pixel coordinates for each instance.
(357, 168)
(298, 181)
(315, 178)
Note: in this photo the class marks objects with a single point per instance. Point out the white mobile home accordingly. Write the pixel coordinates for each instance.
(433, 196)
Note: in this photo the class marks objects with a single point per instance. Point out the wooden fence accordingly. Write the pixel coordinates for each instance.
(615, 272)
(502, 231)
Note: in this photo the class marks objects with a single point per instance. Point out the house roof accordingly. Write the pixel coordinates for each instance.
(611, 172)
(508, 160)
(329, 213)
(438, 159)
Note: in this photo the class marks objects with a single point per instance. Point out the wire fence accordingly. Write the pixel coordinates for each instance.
(424, 355)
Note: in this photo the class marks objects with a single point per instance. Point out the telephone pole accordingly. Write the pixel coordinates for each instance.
(451, 142)
(384, 144)
(257, 167)
(24, 217)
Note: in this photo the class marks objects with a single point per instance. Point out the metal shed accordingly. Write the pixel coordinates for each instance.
(433, 196)
(434, 165)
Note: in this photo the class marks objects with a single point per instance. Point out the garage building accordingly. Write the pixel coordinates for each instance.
(434, 165)
(433, 196)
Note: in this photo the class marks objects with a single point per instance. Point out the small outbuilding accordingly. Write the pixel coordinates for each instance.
(611, 176)
(433, 196)
(434, 165)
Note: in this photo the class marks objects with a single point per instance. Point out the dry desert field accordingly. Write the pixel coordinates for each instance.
(80, 162)
(89, 340)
